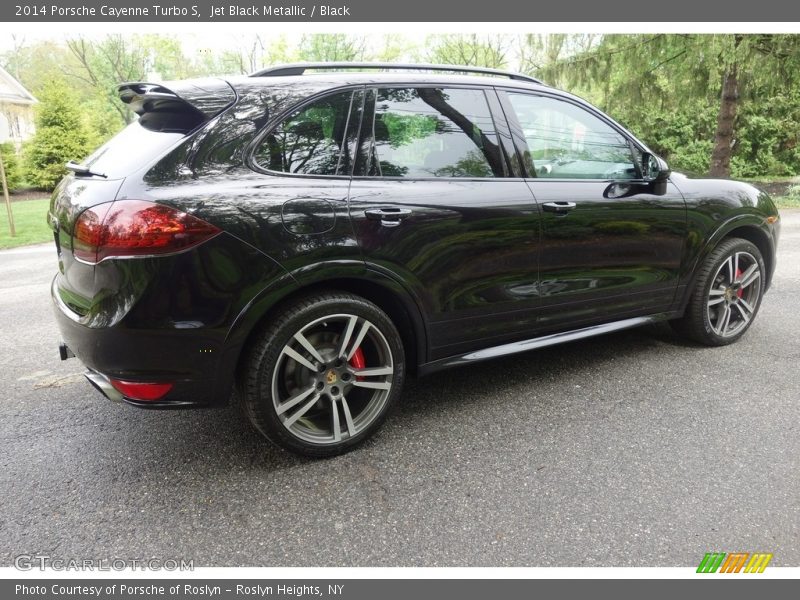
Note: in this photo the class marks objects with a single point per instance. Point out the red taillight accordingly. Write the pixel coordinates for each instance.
(146, 392)
(136, 228)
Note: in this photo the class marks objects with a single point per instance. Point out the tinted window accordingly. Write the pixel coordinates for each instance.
(310, 141)
(567, 142)
(130, 150)
(427, 132)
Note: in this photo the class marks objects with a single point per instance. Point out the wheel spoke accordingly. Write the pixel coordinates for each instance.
(337, 430)
(294, 401)
(309, 348)
(359, 338)
(373, 372)
(723, 320)
(743, 312)
(299, 358)
(748, 277)
(376, 385)
(348, 333)
(301, 411)
(351, 428)
(715, 301)
(716, 292)
(735, 267)
(731, 271)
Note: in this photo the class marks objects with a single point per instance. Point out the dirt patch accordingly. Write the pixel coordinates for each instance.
(776, 188)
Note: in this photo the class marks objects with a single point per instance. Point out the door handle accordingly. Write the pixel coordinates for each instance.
(389, 217)
(560, 208)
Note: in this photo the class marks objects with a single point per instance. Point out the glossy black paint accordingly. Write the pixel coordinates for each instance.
(470, 264)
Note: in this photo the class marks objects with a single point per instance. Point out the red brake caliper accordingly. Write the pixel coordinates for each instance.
(740, 293)
(358, 362)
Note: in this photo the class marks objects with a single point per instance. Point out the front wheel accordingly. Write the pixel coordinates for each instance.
(727, 294)
(323, 377)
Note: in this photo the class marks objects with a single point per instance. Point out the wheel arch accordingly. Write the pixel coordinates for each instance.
(385, 293)
(748, 229)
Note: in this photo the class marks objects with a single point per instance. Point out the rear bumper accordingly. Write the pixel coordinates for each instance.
(103, 385)
(189, 359)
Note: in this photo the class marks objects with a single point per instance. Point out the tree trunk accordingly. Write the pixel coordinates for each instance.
(723, 138)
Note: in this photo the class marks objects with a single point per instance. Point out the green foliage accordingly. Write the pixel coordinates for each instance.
(12, 166)
(791, 199)
(60, 136)
(331, 47)
(405, 128)
(469, 49)
(666, 88)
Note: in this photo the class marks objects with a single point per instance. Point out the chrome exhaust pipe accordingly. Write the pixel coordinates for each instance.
(103, 385)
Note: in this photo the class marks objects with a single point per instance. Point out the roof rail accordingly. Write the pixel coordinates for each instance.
(301, 68)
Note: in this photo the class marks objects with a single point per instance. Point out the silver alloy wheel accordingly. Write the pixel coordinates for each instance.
(319, 392)
(734, 294)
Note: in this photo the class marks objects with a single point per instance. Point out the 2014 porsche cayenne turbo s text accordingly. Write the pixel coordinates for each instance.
(304, 238)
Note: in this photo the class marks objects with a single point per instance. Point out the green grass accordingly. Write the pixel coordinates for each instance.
(787, 202)
(30, 220)
(791, 199)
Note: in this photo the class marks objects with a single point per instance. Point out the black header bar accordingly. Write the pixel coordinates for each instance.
(342, 11)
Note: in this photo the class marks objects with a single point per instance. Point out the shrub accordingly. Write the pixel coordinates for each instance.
(60, 136)
(12, 166)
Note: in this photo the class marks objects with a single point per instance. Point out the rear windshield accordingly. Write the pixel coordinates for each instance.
(130, 150)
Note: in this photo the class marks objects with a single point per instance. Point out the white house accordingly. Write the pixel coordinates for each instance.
(16, 110)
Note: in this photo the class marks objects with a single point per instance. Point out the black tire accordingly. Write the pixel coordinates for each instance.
(273, 377)
(705, 318)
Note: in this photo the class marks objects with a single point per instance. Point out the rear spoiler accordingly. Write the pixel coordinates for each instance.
(177, 105)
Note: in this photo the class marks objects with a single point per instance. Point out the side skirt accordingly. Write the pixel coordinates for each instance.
(540, 342)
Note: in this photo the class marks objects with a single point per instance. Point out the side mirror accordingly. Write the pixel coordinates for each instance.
(654, 168)
(655, 172)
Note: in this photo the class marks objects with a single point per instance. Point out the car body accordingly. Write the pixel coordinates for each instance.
(483, 215)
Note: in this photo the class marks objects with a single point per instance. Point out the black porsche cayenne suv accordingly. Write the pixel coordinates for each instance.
(307, 239)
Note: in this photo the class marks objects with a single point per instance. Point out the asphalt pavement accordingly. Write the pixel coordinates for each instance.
(635, 449)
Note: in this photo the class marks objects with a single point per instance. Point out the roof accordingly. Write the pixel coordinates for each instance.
(12, 91)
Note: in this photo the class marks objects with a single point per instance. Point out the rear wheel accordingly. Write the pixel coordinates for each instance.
(324, 375)
(727, 294)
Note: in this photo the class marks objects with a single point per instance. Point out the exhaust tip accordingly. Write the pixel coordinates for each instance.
(103, 385)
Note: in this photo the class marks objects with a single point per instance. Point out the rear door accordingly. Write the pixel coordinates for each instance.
(435, 205)
(611, 248)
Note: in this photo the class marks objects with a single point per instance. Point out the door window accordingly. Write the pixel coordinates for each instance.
(568, 142)
(432, 132)
(309, 142)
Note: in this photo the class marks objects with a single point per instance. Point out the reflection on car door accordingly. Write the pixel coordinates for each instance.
(610, 248)
(432, 203)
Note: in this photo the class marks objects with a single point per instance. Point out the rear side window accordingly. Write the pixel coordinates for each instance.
(130, 150)
(432, 132)
(310, 141)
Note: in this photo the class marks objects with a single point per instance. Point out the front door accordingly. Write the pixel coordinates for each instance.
(610, 247)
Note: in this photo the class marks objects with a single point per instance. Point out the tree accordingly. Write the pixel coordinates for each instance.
(691, 94)
(470, 50)
(329, 47)
(106, 64)
(12, 166)
(60, 136)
